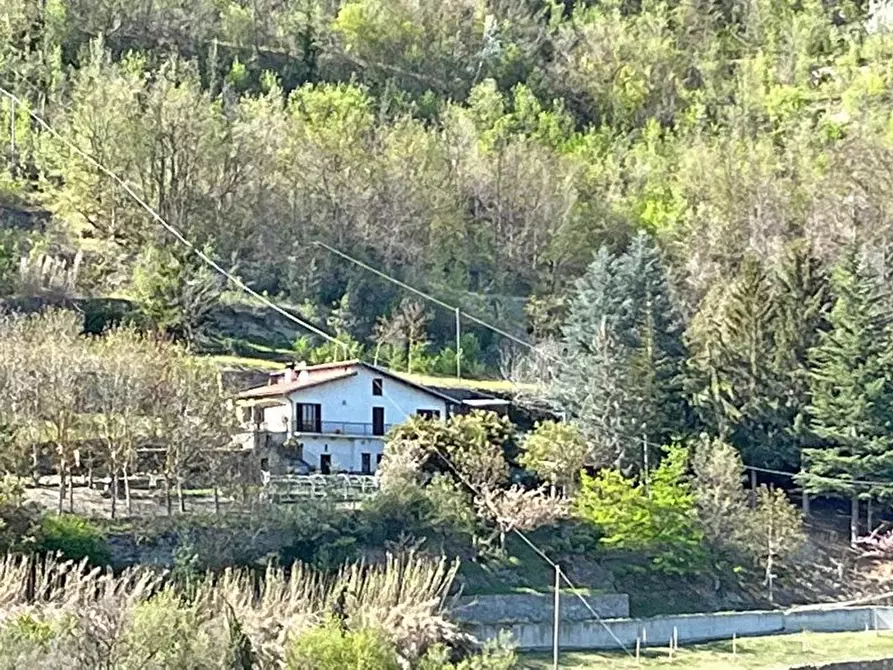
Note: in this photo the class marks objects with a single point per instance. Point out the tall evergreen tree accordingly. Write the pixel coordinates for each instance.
(620, 376)
(852, 391)
(747, 371)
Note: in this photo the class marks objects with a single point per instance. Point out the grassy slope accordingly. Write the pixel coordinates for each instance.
(776, 652)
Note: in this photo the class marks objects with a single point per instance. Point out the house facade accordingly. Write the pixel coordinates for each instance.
(332, 418)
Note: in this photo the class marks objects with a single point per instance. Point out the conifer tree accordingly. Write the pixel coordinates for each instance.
(851, 391)
(747, 372)
(620, 375)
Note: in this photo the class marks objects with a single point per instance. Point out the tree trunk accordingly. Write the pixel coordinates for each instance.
(216, 500)
(90, 476)
(70, 493)
(167, 495)
(181, 501)
(753, 489)
(805, 504)
(854, 518)
(127, 499)
(61, 502)
(35, 461)
(869, 514)
(114, 491)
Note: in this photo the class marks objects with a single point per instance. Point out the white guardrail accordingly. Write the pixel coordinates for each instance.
(288, 488)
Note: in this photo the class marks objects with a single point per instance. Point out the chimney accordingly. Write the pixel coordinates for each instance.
(290, 373)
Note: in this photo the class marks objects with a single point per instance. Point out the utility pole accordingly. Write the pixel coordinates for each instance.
(557, 619)
(458, 344)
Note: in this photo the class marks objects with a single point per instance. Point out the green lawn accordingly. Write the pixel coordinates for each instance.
(244, 362)
(483, 385)
(766, 653)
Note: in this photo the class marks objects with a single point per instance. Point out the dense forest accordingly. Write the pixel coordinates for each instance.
(479, 149)
(691, 199)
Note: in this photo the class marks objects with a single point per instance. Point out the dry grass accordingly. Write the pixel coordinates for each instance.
(777, 652)
(405, 598)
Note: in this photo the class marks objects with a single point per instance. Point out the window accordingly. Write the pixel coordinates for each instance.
(325, 464)
(378, 459)
(428, 413)
(378, 420)
(366, 463)
(258, 415)
(377, 387)
(308, 418)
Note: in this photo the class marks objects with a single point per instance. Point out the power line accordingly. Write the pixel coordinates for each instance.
(533, 348)
(428, 296)
(171, 229)
(842, 480)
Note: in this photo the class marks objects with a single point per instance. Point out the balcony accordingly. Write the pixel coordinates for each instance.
(342, 428)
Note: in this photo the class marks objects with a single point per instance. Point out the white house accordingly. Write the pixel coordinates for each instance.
(333, 417)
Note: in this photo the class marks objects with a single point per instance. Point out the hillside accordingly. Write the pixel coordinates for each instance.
(663, 227)
(479, 150)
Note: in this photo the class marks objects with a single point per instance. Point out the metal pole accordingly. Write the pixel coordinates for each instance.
(557, 619)
(458, 345)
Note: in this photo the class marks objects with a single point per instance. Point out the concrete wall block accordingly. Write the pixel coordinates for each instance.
(593, 634)
(537, 608)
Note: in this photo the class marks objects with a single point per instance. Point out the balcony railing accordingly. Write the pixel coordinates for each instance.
(343, 428)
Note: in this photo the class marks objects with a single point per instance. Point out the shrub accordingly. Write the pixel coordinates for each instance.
(658, 520)
(328, 647)
(398, 510)
(74, 538)
(25, 641)
(498, 654)
(321, 536)
(172, 633)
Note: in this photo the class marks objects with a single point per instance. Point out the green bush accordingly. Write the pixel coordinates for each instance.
(172, 633)
(321, 536)
(498, 654)
(400, 510)
(330, 648)
(658, 520)
(25, 641)
(74, 538)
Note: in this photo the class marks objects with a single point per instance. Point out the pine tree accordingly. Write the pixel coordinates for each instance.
(620, 376)
(747, 372)
(851, 390)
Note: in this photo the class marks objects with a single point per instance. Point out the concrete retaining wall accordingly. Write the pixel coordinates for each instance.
(881, 664)
(536, 608)
(592, 634)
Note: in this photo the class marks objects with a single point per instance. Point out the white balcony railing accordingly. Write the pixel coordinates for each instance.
(344, 428)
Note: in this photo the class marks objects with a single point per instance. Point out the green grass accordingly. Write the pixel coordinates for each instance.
(766, 653)
(244, 362)
(491, 385)
(484, 385)
(519, 571)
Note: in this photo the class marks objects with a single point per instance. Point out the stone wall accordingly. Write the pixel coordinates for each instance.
(537, 608)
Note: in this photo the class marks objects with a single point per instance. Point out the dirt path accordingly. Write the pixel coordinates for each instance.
(91, 503)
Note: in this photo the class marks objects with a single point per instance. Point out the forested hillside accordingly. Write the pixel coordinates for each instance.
(480, 149)
(718, 175)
